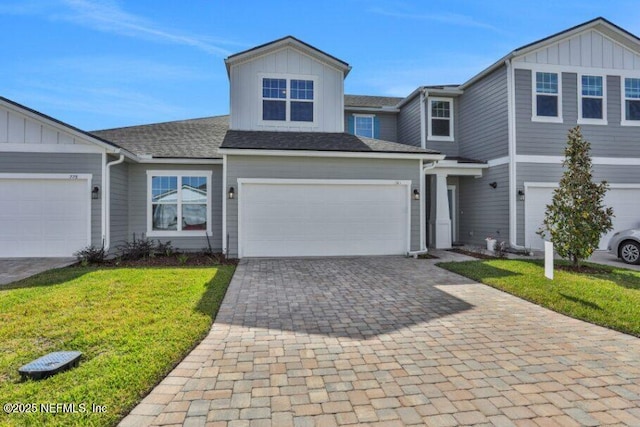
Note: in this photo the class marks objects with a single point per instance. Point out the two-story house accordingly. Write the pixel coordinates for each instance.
(298, 168)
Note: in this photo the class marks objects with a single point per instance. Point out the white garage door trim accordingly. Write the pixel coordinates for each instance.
(552, 185)
(337, 182)
(58, 176)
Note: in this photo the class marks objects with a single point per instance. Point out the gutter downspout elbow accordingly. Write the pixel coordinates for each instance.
(107, 196)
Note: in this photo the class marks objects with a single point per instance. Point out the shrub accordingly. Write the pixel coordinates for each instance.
(90, 255)
(136, 249)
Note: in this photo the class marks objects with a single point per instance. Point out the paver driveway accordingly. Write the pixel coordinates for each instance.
(392, 341)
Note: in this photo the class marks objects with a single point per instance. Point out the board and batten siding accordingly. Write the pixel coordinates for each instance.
(119, 205)
(246, 91)
(409, 123)
(388, 124)
(590, 48)
(549, 139)
(318, 168)
(483, 128)
(17, 128)
(537, 172)
(138, 201)
(67, 163)
(483, 210)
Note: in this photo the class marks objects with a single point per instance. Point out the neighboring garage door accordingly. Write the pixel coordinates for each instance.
(624, 199)
(323, 218)
(44, 215)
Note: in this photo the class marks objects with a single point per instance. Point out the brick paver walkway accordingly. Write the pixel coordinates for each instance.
(393, 341)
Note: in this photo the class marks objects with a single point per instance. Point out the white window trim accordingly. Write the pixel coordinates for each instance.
(623, 98)
(603, 120)
(179, 173)
(287, 122)
(370, 116)
(534, 98)
(431, 137)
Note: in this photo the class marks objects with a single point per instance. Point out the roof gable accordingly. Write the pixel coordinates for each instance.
(21, 126)
(594, 44)
(283, 43)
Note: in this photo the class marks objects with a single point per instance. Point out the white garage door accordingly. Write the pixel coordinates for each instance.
(323, 218)
(624, 199)
(44, 216)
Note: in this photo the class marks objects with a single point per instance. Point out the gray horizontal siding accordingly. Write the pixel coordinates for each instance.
(483, 130)
(67, 163)
(388, 124)
(318, 168)
(409, 123)
(535, 172)
(535, 138)
(119, 211)
(138, 205)
(484, 211)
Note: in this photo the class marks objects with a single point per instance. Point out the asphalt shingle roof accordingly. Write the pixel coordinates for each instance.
(313, 141)
(371, 101)
(196, 138)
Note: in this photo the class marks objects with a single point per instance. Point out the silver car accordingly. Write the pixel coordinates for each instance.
(625, 245)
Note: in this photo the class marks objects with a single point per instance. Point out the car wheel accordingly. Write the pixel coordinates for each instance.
(630, 252)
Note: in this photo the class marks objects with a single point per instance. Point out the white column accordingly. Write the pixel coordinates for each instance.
(442, 218)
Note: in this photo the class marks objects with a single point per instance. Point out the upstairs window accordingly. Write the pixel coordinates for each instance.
(546, 100)
(301, 100)
(274, 95)
(631, 101)
(366, 125)
(287, 100)
(440, 118)
(592, 105)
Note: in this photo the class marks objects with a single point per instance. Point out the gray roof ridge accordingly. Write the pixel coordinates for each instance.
(161, 123)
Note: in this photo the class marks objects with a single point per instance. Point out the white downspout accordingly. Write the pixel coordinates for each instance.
(107, 197)
(511, 107)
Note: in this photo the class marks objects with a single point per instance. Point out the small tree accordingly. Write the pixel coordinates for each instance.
(576, 219)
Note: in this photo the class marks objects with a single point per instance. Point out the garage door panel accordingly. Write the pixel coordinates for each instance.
(624, 201)
(323, 219)
(43, 216)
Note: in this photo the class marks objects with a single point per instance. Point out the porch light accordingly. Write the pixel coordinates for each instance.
(232, 193)
(95, 192)
(493, 184)
(416, 194)
(520, 194)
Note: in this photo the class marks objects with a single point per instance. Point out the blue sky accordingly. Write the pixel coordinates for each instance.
(100, 64)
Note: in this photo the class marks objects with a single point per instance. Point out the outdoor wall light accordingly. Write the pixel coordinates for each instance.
(520, 194)
(493, 184)
(232, 193)
(416, 194)
(95, 192)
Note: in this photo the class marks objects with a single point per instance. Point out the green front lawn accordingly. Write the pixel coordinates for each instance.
(610, 299)
(133, 325)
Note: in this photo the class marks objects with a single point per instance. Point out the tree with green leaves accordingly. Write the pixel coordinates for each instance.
(577, 218)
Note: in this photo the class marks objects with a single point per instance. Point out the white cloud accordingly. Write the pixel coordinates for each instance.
(109, 16)
(446, 18)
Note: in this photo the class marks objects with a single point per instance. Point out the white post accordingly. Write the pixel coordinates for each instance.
(443, 220)
(548, 260)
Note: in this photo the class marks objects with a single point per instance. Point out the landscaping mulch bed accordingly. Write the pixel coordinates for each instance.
(427, 256)
(473, 254)
(584, 269)
(189, 259)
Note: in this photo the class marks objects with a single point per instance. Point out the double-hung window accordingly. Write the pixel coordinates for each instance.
(547, 100)
(440, 119)
(288, 100)
(592, 103)
(179, 203)
(363, 126)
(631, 102)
